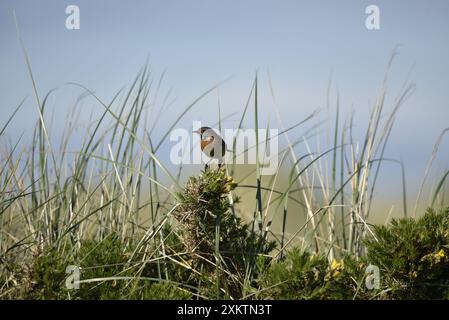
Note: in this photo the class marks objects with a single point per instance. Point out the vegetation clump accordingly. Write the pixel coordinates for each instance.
(219, 243)
(303, 275)
(413, 256)
(104, 273)
(204, 205)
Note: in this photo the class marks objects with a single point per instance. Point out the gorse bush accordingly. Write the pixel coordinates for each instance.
(105, 273)
(413, 256)
(44, 277)
(218, 242)
(124, 279)
(302, 275)
(204, 205)
(104, 259)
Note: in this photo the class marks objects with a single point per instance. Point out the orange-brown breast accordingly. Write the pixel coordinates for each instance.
(205, 142)
(210, 151)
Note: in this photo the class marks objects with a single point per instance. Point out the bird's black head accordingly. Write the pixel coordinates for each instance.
(202, 130)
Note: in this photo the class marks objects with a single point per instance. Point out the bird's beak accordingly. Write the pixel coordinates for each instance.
(196, 131)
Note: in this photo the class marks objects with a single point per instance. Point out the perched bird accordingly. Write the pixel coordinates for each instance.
(212, 145)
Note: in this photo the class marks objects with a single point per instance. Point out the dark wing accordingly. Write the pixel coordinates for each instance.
(212, 148)
(223, 148)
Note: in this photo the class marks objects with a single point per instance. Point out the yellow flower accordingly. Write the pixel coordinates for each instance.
(335, 265)
(334, 270)
(441, 253)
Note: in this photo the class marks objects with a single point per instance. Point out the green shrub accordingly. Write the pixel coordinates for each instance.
(104, 259)
(203, 204)
(45, 276)
(302, 275)
(221, 246)
(41, 276)
(109, 259)
(413, 257)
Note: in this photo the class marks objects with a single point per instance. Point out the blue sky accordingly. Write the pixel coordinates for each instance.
(200, 43)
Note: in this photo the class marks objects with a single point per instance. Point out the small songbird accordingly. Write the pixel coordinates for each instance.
(212, 145)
